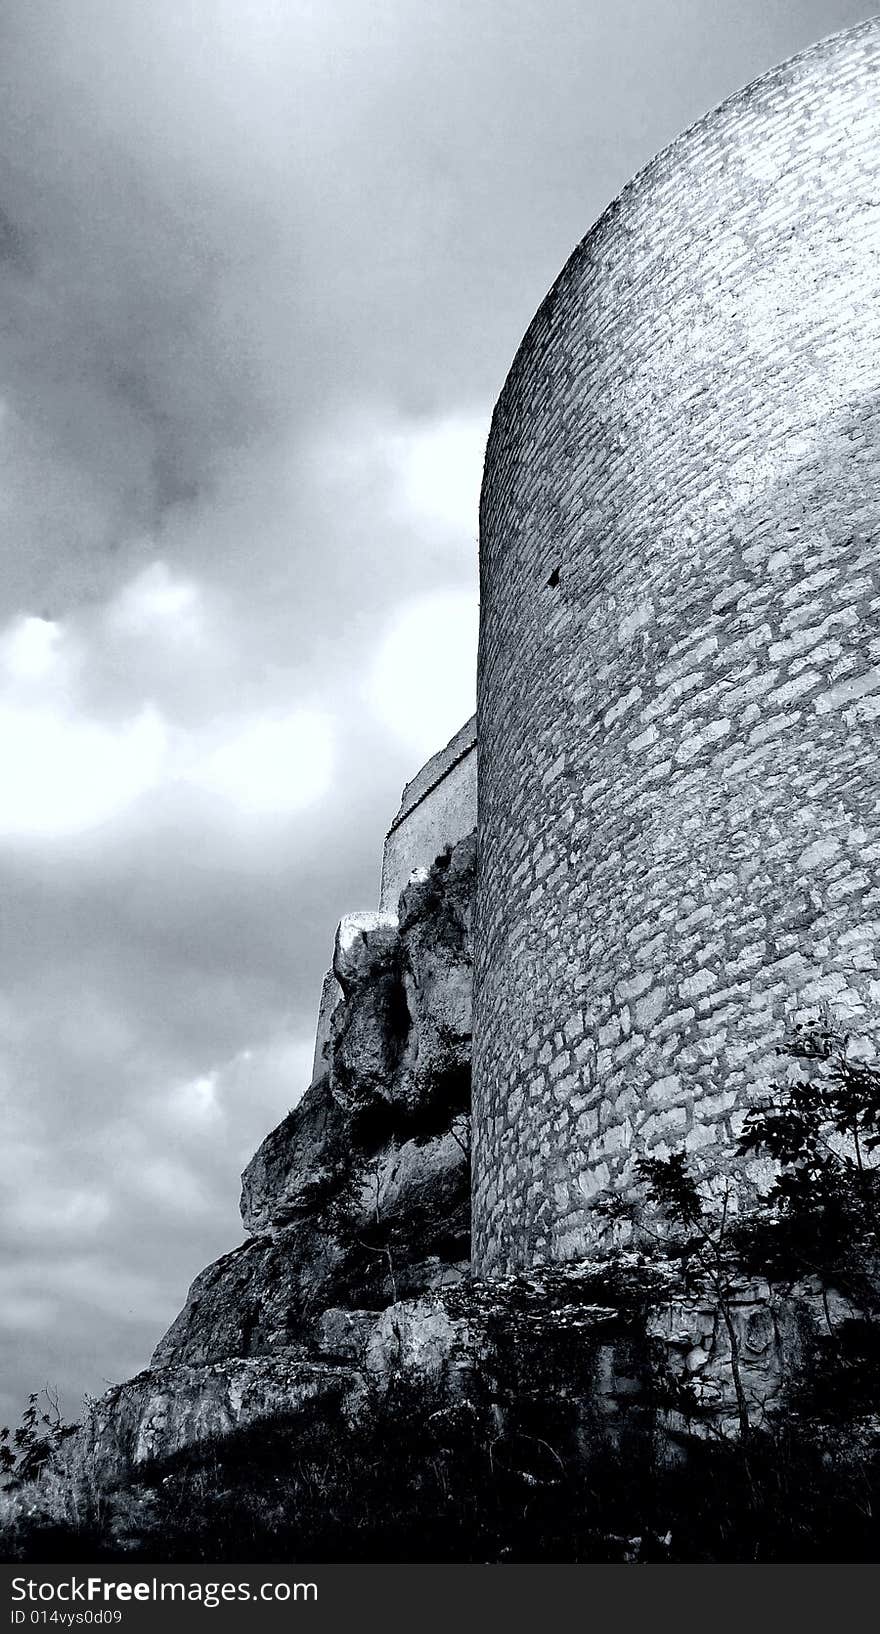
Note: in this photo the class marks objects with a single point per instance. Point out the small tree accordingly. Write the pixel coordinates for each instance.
(821, 1215)
(38, 1438)
(704, 1245)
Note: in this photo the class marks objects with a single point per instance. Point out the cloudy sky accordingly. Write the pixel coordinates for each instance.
(263, 267)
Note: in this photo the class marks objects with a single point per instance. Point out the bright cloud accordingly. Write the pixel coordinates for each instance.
(157, 603)
(67, 771)
(40, 660)
(423, 683)
(428, 471)
(196, 1102)
(29, 650)
(268, 766)
(64, 774)
(439, 469)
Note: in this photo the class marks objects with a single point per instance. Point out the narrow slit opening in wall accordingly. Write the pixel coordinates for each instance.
(554, 578)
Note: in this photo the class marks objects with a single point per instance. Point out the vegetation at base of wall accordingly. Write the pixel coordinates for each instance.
(818, 1221)
(425, 1476)
(821, 1216)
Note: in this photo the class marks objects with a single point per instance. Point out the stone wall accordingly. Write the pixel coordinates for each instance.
(438, 808)
(680, 656)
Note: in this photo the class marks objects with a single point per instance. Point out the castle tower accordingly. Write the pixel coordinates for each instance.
(679, 688)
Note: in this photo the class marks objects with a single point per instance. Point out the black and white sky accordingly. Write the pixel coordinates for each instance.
(263, 267)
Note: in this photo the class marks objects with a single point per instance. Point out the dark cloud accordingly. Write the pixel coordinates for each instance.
(263, 266)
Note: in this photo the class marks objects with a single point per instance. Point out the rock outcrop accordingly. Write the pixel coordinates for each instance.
(617, 1346)
(359, 1200)
(166, 1410)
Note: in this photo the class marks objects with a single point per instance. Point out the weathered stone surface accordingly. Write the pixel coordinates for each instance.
(361, 1196)
(331, 995)
(272, 1290)
(402, 1038)
(775, 1331)
(422, 1189)
(419, 1336)
(369, 1029)
(295, 1163)
(255, 1299)
(343, 1335)
(361, 940)
(436, 933)
(161, 1412)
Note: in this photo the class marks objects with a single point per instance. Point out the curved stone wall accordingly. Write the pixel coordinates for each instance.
(679, 683)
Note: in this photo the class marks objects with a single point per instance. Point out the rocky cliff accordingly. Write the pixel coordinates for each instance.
(359, 1200)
